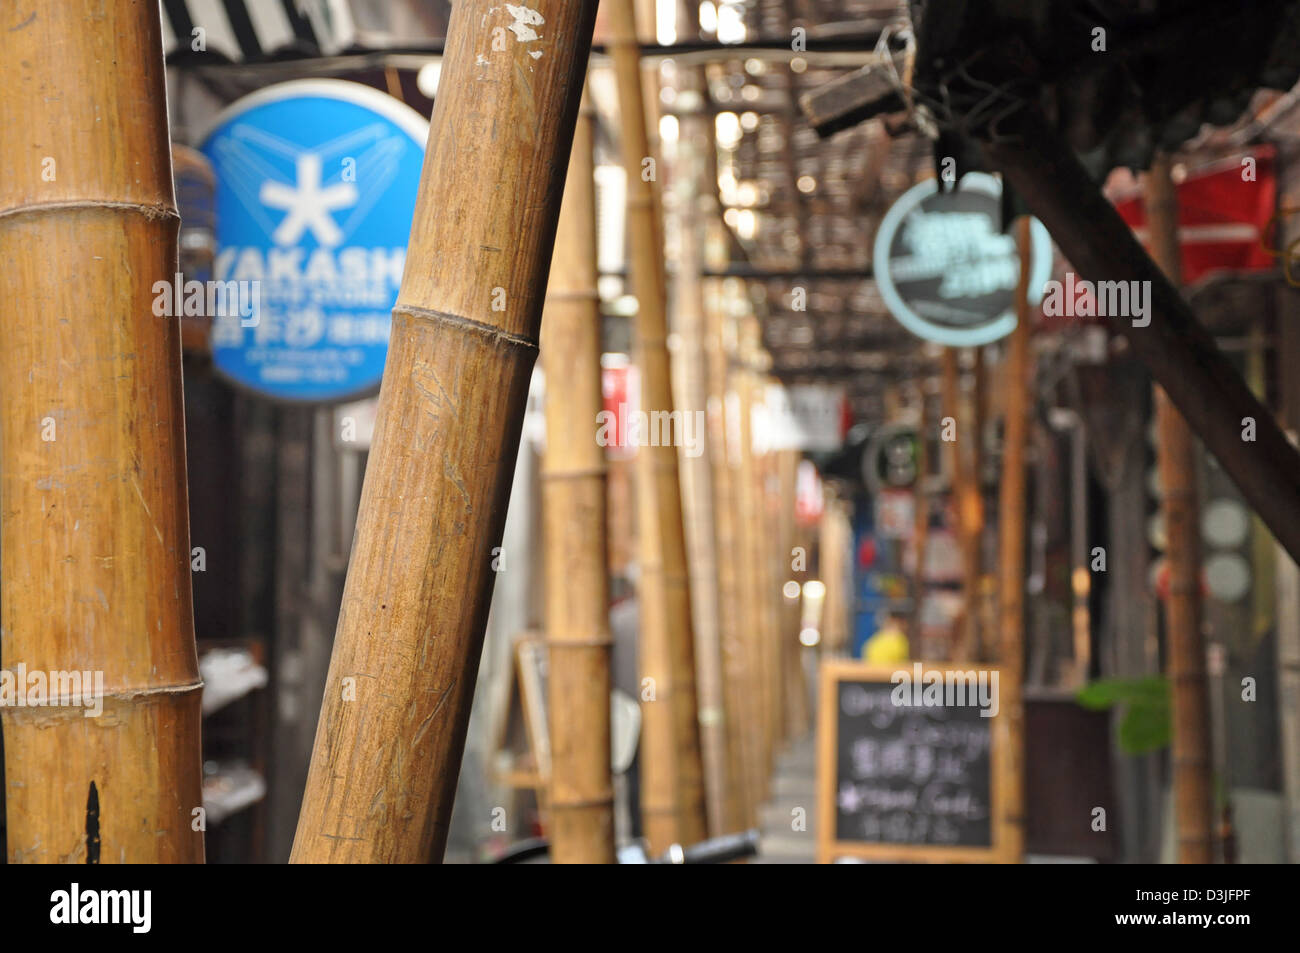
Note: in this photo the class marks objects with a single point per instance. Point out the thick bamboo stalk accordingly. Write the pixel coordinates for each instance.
(1176, 458)
(96, 576)
(690, 378)
(672, 800)
(1011, 560)
(1178, 350)
(574, 532)
(464, 339)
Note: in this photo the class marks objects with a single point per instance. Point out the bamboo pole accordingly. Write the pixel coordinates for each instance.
(96, 576)
(767, 551)
(1176, 458)
(433, 505)
(1011, 559)
(921, 517)
(672, 799)
(986, 582)
(574, 530)
(725, 450)
(765, 555)
(776, 558)
(793, 685)
(690, 376)
(772, 564)
(1287, 572)
(966, 502)
(748, 522)
(731, 588)
(834, 558)
(1180, 353)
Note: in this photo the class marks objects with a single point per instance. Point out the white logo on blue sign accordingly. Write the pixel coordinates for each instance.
(316, 187)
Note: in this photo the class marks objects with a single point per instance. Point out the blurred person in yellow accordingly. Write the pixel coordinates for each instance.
(888, 646)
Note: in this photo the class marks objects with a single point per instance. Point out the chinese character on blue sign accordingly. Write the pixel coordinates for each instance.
(316, 186)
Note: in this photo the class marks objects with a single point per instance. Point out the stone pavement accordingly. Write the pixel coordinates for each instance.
(788, 820)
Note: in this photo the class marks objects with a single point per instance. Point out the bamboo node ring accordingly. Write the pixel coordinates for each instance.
(466, 324)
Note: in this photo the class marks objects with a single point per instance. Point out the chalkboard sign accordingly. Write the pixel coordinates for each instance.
(908, 761)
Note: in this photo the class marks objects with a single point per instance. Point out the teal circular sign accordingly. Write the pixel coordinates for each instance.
(946, 271)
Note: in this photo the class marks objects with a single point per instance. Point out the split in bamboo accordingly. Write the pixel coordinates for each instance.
(672, 800)
(1176, 458)
(96, 575)
(574, 530)
(433, 505)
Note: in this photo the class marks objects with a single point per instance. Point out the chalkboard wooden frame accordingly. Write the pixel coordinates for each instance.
(829, 848)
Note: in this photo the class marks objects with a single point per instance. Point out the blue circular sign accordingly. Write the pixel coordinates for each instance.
(316, 187)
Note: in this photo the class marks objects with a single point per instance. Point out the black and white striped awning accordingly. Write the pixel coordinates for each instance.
(241, 31)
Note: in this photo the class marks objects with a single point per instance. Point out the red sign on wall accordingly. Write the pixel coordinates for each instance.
(1223, 212)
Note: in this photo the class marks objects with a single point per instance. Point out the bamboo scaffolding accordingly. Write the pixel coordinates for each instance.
(1176, 458)
(1018, 375)
(401, 680)
(574, 530)
(672, 800)
(96, 575)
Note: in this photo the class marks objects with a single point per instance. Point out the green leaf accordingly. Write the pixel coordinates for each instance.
(1145, 728)
(1146, 724)
(1107, 692)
